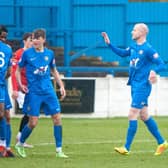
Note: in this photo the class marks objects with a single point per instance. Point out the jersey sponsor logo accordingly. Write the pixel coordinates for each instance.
(134, 62)
(41, 70)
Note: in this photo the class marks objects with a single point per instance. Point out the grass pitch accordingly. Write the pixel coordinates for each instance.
(89, 143)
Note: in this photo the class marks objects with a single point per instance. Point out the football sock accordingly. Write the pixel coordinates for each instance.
(3, 128)
(25, 134)
(18, 136)
(24, 121)
(59, 149)
(131, 133)
(153, 128)
(8, 135)
(58, 135)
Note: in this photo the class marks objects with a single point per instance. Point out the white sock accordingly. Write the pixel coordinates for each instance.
(59, 149)
(3, 143)
(18, 135)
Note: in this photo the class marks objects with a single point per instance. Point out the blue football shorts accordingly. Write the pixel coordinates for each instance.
(140, 97)
(8, 104)
(48, 103)
(2, 94)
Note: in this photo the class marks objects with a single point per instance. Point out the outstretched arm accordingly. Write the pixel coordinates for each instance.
(119, 51)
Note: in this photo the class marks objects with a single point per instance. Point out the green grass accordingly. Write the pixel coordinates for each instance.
(89, 143)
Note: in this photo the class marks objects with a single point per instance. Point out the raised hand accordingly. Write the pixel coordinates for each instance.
(106, 38)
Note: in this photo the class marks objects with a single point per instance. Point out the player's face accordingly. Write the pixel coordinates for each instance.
(28, 42)
(38, 43)
(3, 36)
(136, 33)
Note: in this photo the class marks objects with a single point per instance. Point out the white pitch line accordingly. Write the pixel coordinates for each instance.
(95, 153)
(92, 142)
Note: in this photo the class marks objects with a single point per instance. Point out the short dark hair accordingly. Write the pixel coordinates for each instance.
(39, 33)
(26, 36)
(3, 29)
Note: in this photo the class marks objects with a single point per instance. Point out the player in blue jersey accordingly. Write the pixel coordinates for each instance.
(5, 56)
(8, 105)
(142, 74)
(39, 63)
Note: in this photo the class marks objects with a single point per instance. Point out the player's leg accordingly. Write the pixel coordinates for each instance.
(52, 107)
(2, 123)
(131, 131)
(58, 135)
(8, 134)
(8, 106)
(21, 100)
(154, 130)
(34, 101)
(133, 123)
(23, 123)
(26, 132)
(2, 131)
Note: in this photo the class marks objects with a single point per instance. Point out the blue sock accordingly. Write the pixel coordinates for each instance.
(3, 129)
(25, 133)
(8, 135)
(58, 135)
(133, 124)
(153, 128)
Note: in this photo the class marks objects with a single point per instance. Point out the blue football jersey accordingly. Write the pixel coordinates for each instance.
(5, 56)
(38, 66)
(142, 59)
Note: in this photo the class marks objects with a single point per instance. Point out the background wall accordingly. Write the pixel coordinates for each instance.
(112, 98)
(85, 19)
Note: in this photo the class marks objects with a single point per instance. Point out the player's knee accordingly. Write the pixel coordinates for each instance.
(7, 116)
(32, 123)
(1, 114)
(57, 119)
(133, 114)
(144, 117)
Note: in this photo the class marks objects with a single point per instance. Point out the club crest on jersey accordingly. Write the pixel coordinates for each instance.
(156, 55)
(46, 58)
(140, 52)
